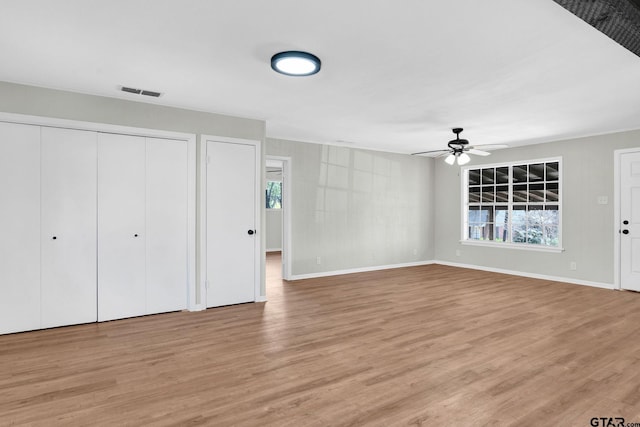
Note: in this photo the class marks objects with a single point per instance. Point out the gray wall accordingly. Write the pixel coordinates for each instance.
(74, 106)
(357, 208)
(587, 227)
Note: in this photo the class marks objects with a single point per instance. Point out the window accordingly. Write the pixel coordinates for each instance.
(274, 195)
(513, 204)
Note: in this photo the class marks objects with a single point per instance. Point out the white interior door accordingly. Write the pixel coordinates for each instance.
(167, 231)
(630, 221)
(19, 227)
(121, 226)
(68, 239)
(231, 223)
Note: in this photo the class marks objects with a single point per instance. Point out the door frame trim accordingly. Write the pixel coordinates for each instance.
(617, 157)
(201, 289)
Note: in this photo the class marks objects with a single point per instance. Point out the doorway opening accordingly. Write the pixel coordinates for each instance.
(277, 220)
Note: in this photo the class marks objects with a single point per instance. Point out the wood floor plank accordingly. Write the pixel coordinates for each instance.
(429, 345)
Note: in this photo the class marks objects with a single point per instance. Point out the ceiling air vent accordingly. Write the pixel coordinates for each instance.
(140, 91)
(151, 93)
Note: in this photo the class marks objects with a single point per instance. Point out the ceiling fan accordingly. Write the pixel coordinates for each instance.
(458, 149)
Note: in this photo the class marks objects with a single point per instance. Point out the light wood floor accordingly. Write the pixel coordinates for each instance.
(432, 346)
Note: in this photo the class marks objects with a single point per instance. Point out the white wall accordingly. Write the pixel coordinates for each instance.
(588, 228)
(356, 208)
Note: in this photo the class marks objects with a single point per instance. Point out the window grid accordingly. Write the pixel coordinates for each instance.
(517, 203)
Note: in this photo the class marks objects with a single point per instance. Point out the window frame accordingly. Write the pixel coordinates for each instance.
(464, 211)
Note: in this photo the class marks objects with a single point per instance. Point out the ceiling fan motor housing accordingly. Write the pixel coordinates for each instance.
(457, 145)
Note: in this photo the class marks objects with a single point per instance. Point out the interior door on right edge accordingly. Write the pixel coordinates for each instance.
(231, 197)
(630, 213)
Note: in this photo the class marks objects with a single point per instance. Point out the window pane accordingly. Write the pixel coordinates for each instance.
(536, 172)
(552, 216)
(552, 192)
(535, 220)
(502, 193)
(473, 214)
(519, 224)
(520, 193)
(488, 176)
(481, 228)
(535, 215)
(536, 192)
(480, 214)
(552, 171)
(550, 236)
(474, 195)
(501, 225)
(534, 234)
(480, 231)
(502, 175)
(488, 194)
(474, 177)
(520, 173)
(487, 213)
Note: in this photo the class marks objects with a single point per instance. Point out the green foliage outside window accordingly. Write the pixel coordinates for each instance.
(274, 195)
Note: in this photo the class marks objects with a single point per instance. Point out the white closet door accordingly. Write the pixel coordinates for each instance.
(19, 227)
(166, 219)
(231, 205)
(121, 226)
(68, 239)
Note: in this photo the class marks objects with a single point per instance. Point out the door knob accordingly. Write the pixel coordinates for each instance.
(250, 232)
(135, 235)
(625, 231)
(54, 238)
(625, 222)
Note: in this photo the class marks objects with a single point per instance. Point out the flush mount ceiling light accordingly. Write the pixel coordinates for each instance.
(295, 63)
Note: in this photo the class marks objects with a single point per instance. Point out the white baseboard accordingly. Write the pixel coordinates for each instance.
(455, 264)
(273, 250)
(531, 275)
(261, 298)
(357, 270)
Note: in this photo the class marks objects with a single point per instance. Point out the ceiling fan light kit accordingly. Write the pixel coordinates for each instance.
(450, 159)
(463, 159)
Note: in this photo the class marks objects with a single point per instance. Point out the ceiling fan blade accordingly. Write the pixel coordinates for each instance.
(489, 147)
(431, 152)
(477, 152)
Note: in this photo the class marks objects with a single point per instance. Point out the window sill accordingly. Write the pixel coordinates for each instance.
(522, 247)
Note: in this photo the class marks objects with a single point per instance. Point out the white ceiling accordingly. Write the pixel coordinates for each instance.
(396, 75)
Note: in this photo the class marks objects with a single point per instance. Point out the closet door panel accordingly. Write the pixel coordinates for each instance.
(121, 226)
(166, 219)
(68, 239)
(19, 227)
